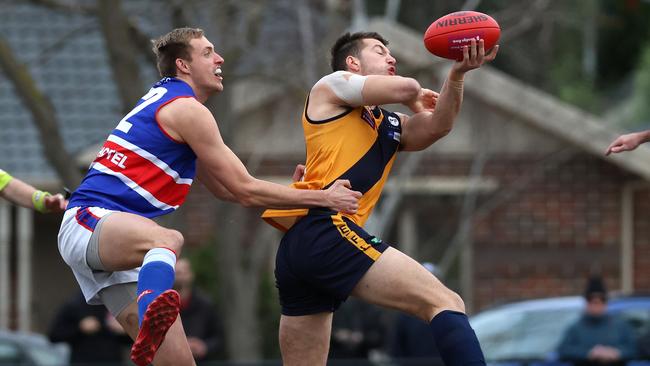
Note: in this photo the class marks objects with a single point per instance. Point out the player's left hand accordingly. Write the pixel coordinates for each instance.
(342, 198)
(55, 203)
(426, 101)
(474, 56)
(298, 173)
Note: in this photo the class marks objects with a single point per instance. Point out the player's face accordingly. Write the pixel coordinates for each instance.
(375, 59)
(206, 65)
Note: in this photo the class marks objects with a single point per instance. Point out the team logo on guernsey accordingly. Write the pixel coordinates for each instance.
(114, 156)
(393, 121)
(366, 115)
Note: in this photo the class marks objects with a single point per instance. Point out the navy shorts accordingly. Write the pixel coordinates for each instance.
(320, 260)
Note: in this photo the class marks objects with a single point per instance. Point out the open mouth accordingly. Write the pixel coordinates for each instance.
(217, 71)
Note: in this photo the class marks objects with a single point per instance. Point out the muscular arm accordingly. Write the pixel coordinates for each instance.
(213, 185)
(20, 193)
(192, 123)
(340, 90)
(428, 125)
(219, 191)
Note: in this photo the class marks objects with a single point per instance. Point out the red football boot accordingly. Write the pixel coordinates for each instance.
(159, 317)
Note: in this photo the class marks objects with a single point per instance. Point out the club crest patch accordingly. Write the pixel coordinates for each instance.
(366, 115)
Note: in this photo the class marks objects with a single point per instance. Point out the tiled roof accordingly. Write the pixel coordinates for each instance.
(66, 56)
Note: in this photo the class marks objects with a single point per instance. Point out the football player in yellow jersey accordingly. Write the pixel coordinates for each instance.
(326, 256)
(23, 194)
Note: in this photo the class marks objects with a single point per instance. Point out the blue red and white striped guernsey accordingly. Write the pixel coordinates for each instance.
(140, 168)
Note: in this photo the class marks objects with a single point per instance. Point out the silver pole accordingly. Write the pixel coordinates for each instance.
(5, 253)
(25, 234)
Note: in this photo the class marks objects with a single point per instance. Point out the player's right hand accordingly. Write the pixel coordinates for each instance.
(341, 198)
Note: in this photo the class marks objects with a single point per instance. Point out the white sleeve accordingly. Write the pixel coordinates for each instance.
(346, 85)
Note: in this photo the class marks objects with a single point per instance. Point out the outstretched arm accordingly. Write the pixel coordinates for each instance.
(213, 185)
(429, 124)
(193, 123)
(628, 142)
(221, 192)
(23, 194)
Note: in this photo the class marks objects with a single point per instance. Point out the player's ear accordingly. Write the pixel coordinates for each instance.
(353, 63)
(182, 66)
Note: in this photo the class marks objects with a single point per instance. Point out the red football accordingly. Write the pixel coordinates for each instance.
(446, 36)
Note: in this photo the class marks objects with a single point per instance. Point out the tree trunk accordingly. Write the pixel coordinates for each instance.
(241, 255)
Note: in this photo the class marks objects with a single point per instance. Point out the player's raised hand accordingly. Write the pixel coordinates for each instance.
(627, 142)
(341, 198)
(474, 56)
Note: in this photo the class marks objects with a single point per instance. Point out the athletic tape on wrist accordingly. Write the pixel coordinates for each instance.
(38, 199)
(5, 178)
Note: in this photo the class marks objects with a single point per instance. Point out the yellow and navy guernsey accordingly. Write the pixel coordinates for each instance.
(360, 145)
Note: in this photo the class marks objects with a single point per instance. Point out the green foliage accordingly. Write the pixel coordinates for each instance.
(641, 98)
(571, 85)
(206, 274)
(623, 27)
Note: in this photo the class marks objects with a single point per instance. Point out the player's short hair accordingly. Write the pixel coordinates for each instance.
(174, 45)
(350, 44)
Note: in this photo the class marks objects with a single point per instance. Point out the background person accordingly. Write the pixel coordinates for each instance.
(198, 314)
(597, 337)
(93, 334)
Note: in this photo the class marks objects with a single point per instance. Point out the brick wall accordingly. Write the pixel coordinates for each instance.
(642, 240)
(562, 225)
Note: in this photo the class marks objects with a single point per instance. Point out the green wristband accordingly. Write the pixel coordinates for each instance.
(38, 199)
(5, 178)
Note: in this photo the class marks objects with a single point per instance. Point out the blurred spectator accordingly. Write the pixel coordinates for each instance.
(93, 334)
(411, 338)
(598, 338)
(200, 321)
(358, 331)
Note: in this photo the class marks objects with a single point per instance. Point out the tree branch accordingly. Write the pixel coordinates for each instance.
(57, 45)
(43, 113)
(122, 52)
(65, 7)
